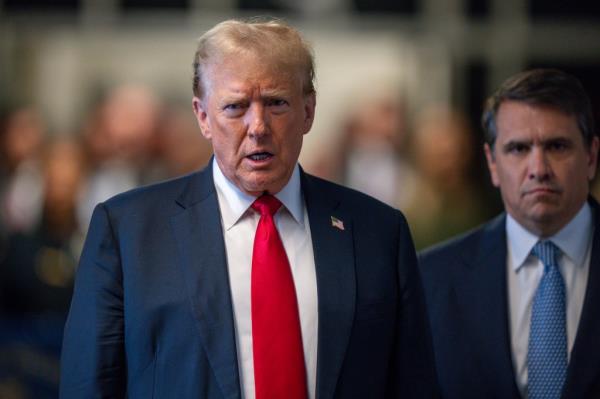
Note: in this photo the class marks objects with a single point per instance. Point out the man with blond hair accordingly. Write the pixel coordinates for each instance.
(250, 278)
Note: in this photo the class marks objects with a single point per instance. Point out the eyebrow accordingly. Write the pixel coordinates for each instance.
(550, 140)
(265, 93)
(274, 93)
(513, 143)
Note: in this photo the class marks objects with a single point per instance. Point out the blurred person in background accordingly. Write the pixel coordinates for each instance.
(180, 149)
(370, 155)
(120, 137)
(36, 279)
(22, 135)
(514, 304)
(446, 199)
(249, 278)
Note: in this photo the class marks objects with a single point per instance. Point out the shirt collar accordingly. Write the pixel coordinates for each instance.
(520, 242)
(234, 202)
(573, 239)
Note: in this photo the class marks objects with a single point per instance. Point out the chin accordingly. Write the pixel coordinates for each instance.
(266, 182)
(256, 189)
(544, 213)
(548, 220)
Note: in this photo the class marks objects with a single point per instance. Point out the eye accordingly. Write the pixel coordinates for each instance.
(516, 148)
(234, 109)
(277, 104)
(233, 106)
(557, 145)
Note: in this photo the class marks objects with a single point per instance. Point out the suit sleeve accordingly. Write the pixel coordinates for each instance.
(93, 357)
(414, 373)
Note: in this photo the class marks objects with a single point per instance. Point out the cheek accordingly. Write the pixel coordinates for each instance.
(291, 149)
(579, 181)
(571, 174)
(510, 181)
(515, 171)
(226, 140)
(224, 151)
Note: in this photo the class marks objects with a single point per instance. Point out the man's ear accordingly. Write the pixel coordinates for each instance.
(310, 102)
(202, 116)
(491, 163)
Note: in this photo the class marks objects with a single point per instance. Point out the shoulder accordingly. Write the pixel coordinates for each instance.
(374, 224)
(161, 196)
(452, 247)
(462, 247)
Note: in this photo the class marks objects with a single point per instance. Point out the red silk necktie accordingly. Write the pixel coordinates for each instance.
(279, 370)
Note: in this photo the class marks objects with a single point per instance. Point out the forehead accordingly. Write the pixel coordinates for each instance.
(520, 120)
(240, 73)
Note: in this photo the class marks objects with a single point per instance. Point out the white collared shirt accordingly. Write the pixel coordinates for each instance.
(239, 223)
(524, 272)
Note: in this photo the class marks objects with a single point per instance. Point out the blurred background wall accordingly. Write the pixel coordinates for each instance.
(95, 98)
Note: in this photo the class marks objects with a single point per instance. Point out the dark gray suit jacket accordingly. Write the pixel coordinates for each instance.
(151, 315)
(466, 293)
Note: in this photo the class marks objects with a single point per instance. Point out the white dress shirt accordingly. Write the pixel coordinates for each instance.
(525, 272)
(239, 223)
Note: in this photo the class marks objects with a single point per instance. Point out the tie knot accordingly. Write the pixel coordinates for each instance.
(547, 252)
(266, 205)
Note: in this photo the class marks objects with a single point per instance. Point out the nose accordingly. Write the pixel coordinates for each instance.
(256, 120)
(539, 165)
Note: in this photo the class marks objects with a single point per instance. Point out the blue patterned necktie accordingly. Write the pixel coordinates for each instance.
(547, 353)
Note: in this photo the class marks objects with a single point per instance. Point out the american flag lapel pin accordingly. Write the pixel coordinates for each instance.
(337, 223)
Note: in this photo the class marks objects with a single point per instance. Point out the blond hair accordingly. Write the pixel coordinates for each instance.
(277, 43)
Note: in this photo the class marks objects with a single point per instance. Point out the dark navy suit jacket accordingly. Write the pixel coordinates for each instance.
(467, 298)
(151, 315)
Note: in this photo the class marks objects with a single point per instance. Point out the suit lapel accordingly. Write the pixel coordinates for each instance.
(203, 263)
(483, 290)
(584, 363)
(334, 263)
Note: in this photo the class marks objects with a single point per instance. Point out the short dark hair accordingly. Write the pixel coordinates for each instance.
(541, 87)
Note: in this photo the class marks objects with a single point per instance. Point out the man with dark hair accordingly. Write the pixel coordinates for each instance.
(249, 278)
(514, 304)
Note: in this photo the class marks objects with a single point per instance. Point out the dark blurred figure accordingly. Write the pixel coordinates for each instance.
(120, 138)
(22, 133)
(371, 154)
(180, 148)
(36, 280)
(447, 200)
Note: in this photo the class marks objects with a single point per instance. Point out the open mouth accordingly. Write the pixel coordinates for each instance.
(260, 156)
